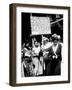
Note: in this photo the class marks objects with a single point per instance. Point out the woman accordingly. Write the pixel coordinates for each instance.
(36, 59)
(55, 57)
(27, 66)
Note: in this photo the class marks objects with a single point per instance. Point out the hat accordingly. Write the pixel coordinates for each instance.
(59, 37)
(55, 37)
(45, 38)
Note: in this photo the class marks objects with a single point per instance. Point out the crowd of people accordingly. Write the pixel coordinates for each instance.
(42, 58)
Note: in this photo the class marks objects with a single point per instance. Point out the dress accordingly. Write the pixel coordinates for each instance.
(36, 61)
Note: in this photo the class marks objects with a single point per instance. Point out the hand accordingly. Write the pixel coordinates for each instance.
(56, 56)
(53, 56)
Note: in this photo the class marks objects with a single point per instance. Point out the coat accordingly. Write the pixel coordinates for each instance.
(54, 61)
(58, 53)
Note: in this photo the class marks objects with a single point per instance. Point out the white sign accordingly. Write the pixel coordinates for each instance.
(40, 25)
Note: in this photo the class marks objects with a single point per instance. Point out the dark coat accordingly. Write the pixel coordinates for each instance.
(58, 52)
(54, 64)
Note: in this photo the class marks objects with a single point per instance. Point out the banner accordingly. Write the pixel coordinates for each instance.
(40, 25)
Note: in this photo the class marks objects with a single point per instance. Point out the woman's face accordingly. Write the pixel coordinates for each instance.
(27, 44)
(36, 44)
(55, 42)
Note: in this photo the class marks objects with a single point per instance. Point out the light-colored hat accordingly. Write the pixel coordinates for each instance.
(59, 37)
(45, 38)
(55, 37)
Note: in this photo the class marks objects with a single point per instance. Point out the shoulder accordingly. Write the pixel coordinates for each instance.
(50, 48)
(59, 45)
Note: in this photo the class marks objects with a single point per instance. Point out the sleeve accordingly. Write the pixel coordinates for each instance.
(60, 52)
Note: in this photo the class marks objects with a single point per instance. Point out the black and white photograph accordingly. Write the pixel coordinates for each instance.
(41, 44)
